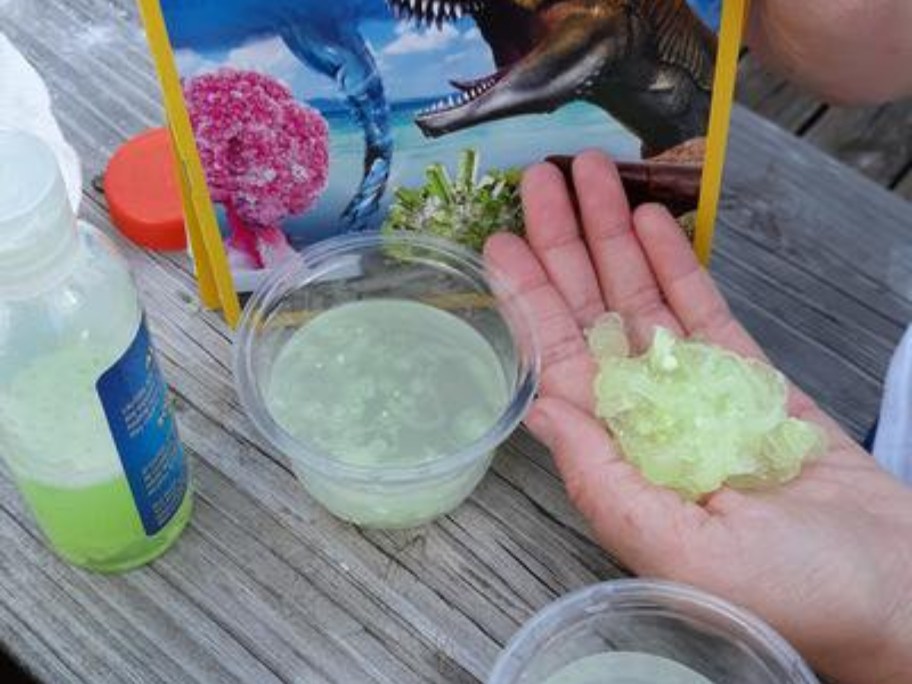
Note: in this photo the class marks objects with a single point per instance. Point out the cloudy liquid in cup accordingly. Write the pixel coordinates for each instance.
(387, 382)
(622, 667)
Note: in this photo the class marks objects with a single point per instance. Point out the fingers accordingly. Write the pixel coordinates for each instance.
(641, 523)
(628, 284)
(567, 367)
(689, 290)
(553, 232)
(695, 300)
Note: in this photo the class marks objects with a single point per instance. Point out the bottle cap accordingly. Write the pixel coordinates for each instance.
(143, 196)
(37, 226)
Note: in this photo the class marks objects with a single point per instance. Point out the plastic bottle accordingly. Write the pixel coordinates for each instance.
(86, 426)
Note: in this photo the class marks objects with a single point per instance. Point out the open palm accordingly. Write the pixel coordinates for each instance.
(826, 559)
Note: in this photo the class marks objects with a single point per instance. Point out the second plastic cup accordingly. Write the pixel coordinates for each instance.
(403, 267)
(639, 631)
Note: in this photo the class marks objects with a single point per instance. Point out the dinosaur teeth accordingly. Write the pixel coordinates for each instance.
(433, 12)
(468, 92)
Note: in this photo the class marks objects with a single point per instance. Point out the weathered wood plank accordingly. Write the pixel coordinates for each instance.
(877, 141)
(774, 98)
(799, 335)
(266, 585)
(122, 629)
(829, 244)
(35, 657)
(308, 587)
(811, 211)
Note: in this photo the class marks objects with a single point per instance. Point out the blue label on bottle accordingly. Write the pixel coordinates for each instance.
(135, 400)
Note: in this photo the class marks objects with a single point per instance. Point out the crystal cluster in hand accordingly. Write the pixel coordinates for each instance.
(694, 417)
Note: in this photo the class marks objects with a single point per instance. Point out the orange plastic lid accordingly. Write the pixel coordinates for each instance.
(142, 191)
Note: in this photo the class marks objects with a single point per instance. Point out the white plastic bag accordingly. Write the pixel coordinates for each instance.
(25, 104)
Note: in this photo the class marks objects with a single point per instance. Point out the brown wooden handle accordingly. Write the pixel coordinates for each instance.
(677, 186)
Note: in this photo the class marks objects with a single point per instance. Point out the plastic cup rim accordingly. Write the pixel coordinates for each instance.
(570, 609)
(312, 458)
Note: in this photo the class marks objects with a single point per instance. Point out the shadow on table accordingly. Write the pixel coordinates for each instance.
(11, 673)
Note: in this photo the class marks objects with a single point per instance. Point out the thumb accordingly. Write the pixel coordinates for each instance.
(641, 523)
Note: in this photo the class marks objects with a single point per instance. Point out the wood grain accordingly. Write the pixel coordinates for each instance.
(877, 141)
(265, 586)
(774, 98)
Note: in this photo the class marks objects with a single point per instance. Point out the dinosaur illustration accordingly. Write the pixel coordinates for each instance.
(322, 35)
(648, 63)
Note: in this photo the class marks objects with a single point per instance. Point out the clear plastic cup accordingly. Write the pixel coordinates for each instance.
(362, 266)
(711, 637)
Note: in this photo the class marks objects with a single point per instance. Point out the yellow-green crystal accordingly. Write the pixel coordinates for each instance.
(695, 417)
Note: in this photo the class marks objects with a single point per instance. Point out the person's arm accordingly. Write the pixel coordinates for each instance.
(825, 559)
(847, 51)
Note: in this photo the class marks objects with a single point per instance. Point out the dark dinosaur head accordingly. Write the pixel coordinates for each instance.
(544, 51)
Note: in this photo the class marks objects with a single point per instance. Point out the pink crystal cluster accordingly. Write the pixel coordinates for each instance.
(266, 155)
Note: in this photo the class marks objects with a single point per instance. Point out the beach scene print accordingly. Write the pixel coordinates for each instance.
(309, 115)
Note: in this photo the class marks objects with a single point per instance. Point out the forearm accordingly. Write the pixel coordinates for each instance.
(892, 664)
(881, 652)
(857, 51)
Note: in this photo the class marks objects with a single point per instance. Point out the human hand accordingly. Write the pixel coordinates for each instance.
(847, 51)
(826, 559)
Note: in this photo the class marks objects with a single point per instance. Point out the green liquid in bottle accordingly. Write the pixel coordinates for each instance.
(97, 526)
(57, 442)
(84, 425)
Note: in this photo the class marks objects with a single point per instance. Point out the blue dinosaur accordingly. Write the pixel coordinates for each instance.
(324, 35)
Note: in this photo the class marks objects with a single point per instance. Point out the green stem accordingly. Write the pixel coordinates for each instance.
(439, 184)
(468, 170)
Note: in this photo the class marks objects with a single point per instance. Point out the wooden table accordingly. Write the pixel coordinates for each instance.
(876, 140)
(265, 586)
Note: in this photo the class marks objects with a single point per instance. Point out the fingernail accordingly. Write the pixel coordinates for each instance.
(539, 422)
